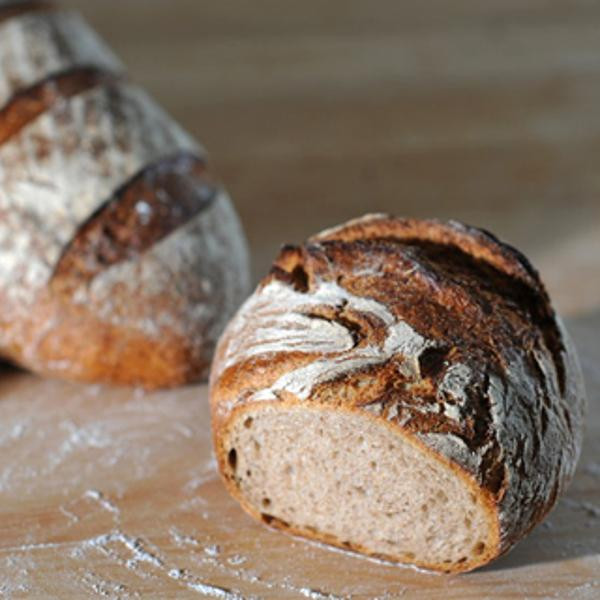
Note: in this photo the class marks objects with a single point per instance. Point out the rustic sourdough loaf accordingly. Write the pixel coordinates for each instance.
(121, 259)
(401, 388)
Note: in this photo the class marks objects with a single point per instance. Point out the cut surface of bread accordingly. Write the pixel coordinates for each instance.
(428, 349)
(346, 479)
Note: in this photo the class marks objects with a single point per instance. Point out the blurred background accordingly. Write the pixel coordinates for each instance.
(315, 112)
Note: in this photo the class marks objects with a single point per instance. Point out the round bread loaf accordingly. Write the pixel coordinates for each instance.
(121, 260)
(401, 388)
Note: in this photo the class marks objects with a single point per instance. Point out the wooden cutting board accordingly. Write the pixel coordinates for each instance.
(315, 112)
(113, 493)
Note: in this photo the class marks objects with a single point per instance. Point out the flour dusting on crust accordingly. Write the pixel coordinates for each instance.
(437, 329)
(38, 44)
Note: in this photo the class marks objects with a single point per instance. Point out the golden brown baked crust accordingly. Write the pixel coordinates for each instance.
(29, 103)
(498, 390)
(120, 258)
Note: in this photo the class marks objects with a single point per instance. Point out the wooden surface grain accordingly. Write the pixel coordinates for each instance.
(313, 113)
(113, 493)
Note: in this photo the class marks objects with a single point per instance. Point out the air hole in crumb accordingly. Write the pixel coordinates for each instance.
(248, 473)
(462, 559)
(266, 502)
(424, 508)
(432, 361)
(409, 555)
(479, 548)
(232, 459)
(361, 439)
(441, 496)
(256, 446)
(346, 544)
(271, 520)
(468, 522)
(373, 464)
(288, 469)
(248, 422)
(447, 562)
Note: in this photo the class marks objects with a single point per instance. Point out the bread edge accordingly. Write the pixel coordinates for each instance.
(220, 435)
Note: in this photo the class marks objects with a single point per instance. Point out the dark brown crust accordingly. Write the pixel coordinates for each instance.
(31, 102)
(485, 252)
(473, 241)
(11, 9)
(169, 193)
(479, 300)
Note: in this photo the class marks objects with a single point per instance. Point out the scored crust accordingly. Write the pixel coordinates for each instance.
(437, 330)
(31, 102)
(150, 318)
(37, 43)
(120, 258)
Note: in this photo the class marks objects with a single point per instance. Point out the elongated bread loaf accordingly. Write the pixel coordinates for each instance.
(401, 388)
(121, 259)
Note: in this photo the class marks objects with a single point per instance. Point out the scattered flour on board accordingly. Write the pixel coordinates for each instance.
(207, 589)
(103, 501)
(133, 544)
(181, 539)
(8, 436)
(212, 550)
(104, 587)
(318, 594)
(73, 518)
